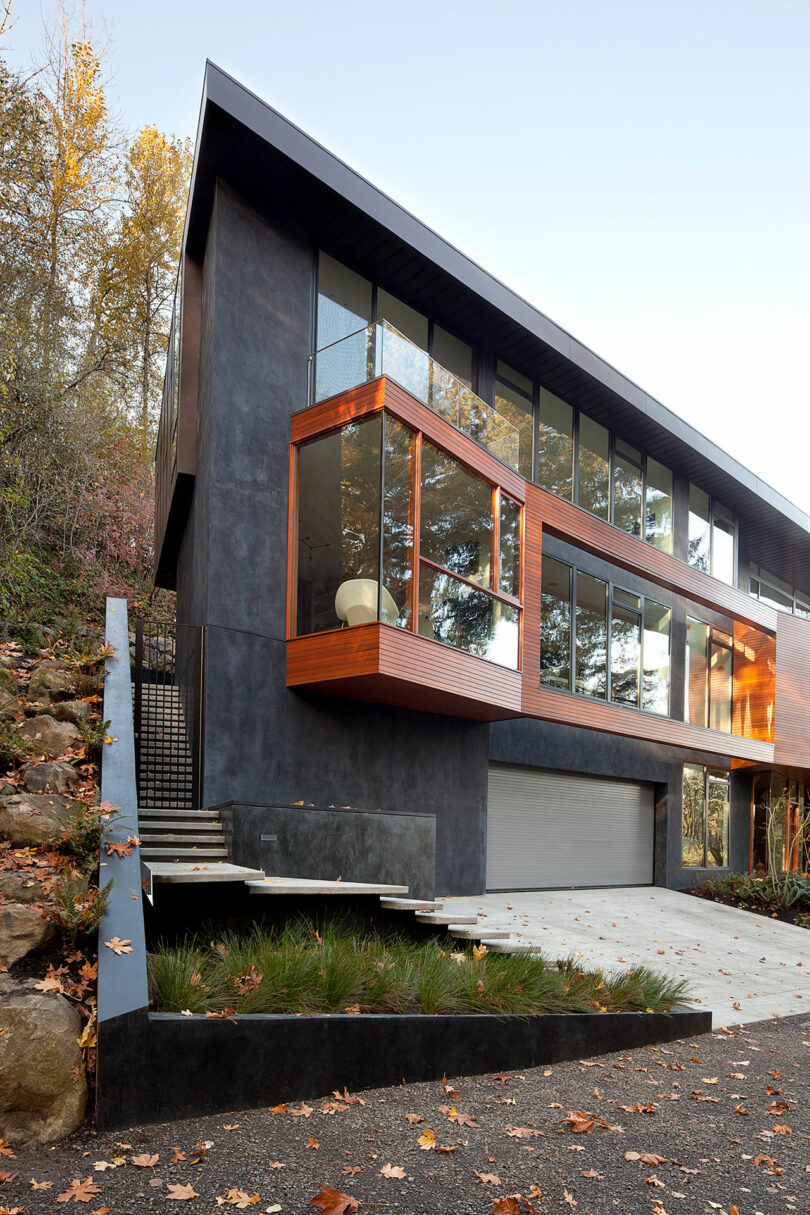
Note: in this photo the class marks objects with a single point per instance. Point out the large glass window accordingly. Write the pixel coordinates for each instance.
(705, 817)
(411, 324)
(453, 354)
(593, 467)
(344, 312)
(709, 669)
(456, 517)
(712, 543)
(655, 679)
(462, 616)
(509, 564)
(339, 529)
(627, 486)
(608, 622)
(555, 446)
(514, 401)
(658, 506)
(590, 636)
(398, 517)
(555, 636)
(777, 593)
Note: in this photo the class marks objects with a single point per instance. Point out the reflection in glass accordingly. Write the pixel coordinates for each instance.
(626, 495)
(555, 446)
(404, 362)
(453, 354)
(697, 685)
(655, 679)
(693, 815)
(398, 517)
(718, 816)
(591, 636)
(699, 529)
(658, 506)
(509, 570)
(724, 530)
(555, 624)
(339, 529)
(625, 647)
(720, 660)
(594, 467)
(344, 301)
(456, 517)
(410, 323)
(518, 410)
(459, 615)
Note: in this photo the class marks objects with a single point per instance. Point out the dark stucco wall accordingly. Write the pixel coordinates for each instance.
(263, 742)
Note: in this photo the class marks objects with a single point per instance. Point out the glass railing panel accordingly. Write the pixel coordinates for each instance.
(382, 350)
(456, 614)
(343, 365)
(404, 362)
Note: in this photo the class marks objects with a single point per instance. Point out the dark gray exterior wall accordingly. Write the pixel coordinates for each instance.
(263, 742)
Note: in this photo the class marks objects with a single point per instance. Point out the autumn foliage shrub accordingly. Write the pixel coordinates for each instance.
(301, 969)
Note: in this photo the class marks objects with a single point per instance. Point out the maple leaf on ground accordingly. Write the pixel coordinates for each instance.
(451, 1092)
(347, 1098)
(392, 1170)
(238, 1198)
(312, 1143)
(464, 1119)
(5, 1150)
(145, 1161)
(118, 946)
(570, 1199)
(41, 1185)
(334, 1202)
(276, 1164)
(653, 1180)
(581, 1124)
(304, 1111)
(351, 1169)
(5, 1176)
(508, 1205)
(522, 1132)
(646, 1158)
(592, 1174)
(118, 849)
(177, 1155)
(278, 1110)
(414, 1118)
(49, 983)
(427, 1140)
(488, 1178)
(79, 1191)
(181, 1193)
(233, 1126)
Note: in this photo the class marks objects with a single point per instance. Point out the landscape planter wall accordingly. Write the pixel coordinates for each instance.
(162, 1066)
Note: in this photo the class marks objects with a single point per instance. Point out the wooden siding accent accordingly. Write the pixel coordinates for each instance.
(578, 527)
(337, 411)
(754, 683)
(532, 555)
(792, 730)
(550, 705)
(381, 663)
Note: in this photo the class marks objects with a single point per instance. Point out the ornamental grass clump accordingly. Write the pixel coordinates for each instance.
(304, 968)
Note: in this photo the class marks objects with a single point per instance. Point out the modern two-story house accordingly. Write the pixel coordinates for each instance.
(449, 561)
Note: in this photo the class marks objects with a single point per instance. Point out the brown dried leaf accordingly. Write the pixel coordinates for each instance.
(334, 1202)
(488, 1178)
(392, 1170)
(79, 1191)
(181, 1193)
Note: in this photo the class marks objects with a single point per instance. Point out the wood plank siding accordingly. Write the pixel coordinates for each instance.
(793, 691)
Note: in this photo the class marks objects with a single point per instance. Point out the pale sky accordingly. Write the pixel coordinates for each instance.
(637, 169)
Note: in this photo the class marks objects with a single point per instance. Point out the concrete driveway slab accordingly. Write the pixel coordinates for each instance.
(744, 967)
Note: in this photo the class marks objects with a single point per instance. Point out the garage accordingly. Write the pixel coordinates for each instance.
(556, 829)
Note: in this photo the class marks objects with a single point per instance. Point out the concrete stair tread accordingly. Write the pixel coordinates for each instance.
(478, 934)
(162, 812)
(166, 837)
(216, 871)
(444, 917)
(168, 825)
(290, 885)
(411, 904)
(150, 853)
(508, 946)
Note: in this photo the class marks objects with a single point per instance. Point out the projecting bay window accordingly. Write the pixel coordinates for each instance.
(581, 461)
(705, 817)
(709, 669)
(712, 543)
(602, 641)
(390, 528)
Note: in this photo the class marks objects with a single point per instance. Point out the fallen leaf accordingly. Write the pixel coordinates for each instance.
(653, 1180)
(181, 1193)
(49, 984)
(278, 1110)
(351, 1169)
(276, 1164)
(648, 1158)
(234, 1126)
(177, 1155)
(508, 1205)
(145, 1161)
(522, 1132)
(414, 1118)
(464, 1119)
(392, 1170)
(41, 1185)
(118, 946)
(427, 1140)
(487, 1178)
(334, 1202)
(312, 1143)
(79, 1191)
(592, 1173)
(238, 1198)
(570, 1199)
(581, 1124)
(303, 1111)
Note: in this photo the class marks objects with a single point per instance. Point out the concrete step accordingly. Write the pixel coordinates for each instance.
(213, 838)
(156, 812)
(181, 825)
(183, 853)
(444, 917)
(508, 946)
(478, 934)
(165, 871)
(411, 905)
(318, 886)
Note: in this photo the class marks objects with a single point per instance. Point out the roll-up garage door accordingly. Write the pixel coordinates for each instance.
(554, 829)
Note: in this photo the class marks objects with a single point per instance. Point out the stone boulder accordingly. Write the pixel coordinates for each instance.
(73, 711)
(31, 819)
(43, 1090)
(7, 680)
(49, 778)
(9, 704)
(23, 930)
(7, 788)
(50, 736)
(19, 887)
(48, 684)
